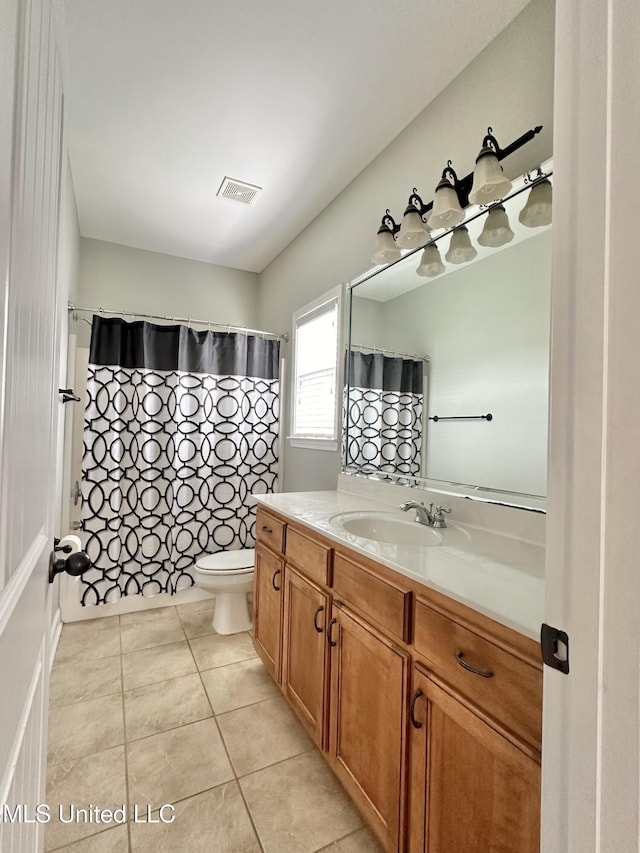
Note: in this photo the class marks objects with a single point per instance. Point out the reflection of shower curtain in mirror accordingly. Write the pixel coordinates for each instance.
(180, 428)
(383, 418)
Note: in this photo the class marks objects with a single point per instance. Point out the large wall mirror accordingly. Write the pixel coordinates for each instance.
(447, 376)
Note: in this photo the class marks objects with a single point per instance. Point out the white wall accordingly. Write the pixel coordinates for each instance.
(508, 86)
(119, 277)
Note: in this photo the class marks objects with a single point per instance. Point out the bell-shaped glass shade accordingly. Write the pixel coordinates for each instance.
(386, 250)
(446, 212)
(460, 248)
(430, 263)
(489, 181)
(537, 210)
(412, 233)
(497, 231)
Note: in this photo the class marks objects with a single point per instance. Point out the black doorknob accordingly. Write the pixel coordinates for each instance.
(74, 565)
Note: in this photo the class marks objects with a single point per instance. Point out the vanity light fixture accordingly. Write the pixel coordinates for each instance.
(489, 181)
(430, 263)
(497, 231)
(413, 232)
(537, 210)
(386, 251)
(448, 201)
(461, 250)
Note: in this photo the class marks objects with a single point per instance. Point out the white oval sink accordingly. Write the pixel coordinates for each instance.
(386, 527)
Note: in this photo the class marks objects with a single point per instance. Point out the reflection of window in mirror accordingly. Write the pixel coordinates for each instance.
(317, 373)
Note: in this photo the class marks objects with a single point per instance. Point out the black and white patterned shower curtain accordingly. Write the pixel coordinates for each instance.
(383, 414)
(181, 427)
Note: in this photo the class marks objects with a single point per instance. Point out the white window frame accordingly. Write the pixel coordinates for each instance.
(335, 295)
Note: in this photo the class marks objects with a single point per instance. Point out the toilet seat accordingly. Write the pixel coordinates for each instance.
(240, 562)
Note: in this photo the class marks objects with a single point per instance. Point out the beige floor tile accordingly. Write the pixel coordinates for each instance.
(114, 840)
(362, 841)
(213, 822)
(195, 606)
(298, 806)
(74, 681)
(260, 735)
(177, 764)
(219, 650)
(141, 617)
(198, 623)
(238, 684)
(165, 705)
(95, 638)
(85, 728)
(159, 663)
(97, 779)
(151, 632)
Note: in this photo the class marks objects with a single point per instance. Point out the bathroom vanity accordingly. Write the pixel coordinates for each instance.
(412, 664)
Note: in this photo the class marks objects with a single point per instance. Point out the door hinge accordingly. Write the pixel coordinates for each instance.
(555, 648)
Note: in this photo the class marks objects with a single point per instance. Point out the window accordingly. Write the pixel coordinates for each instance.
(316, 373)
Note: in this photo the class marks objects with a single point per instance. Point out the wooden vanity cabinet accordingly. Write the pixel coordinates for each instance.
(305, 655)
(368, 722)
(472, 789)
(386, 676)
(267, 609)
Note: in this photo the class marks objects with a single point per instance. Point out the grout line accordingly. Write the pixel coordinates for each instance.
(233, 769)
(126, 742)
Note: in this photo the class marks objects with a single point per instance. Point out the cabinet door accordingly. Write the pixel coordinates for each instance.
(368, 720)
(305, 652)
(267, 608)
(472, 790)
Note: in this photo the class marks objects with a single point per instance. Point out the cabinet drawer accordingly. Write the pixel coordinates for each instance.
(388, 606)
(269, 531)
(309, 556)
(511, 695)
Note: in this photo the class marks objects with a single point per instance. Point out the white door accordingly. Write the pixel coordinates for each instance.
(30, 158)
(591, 728)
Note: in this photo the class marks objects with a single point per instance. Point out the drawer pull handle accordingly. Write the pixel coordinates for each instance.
(484, 673)
(315, 619)
(329, 637)
(273, 579)
(415, 723)
(266, 529)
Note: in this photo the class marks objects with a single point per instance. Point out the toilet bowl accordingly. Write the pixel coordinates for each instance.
(228, 574)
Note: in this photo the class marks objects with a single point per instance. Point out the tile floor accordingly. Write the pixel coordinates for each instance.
(155, 708)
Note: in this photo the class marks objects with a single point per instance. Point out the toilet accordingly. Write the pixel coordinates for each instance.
(228, 574)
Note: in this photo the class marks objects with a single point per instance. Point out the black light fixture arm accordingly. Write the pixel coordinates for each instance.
(462, 186)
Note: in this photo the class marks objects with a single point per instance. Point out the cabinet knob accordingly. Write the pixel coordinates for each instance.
(273, 579)
(412, 716)
(483, 673)
(329, 632)
(318, 628)
(266, 529)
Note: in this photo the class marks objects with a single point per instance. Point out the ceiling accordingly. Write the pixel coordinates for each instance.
(166, 98)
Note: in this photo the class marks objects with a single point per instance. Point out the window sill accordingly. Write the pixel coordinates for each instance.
(314, 443)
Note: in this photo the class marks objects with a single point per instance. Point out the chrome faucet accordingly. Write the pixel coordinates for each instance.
(423, 515)
(430, 517)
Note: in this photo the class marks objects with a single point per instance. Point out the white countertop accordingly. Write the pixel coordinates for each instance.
(498, 576)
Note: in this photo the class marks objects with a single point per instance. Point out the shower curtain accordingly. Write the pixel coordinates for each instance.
(383, 414)
(181, 426)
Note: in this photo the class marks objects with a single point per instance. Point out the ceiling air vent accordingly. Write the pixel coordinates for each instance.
(238, 191)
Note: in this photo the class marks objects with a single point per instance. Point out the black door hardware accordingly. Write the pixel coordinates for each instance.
(315, 619)
(74, 564)
(329, 634)
(412, 711)
(273, 579)
(555, 648)
(69, 395)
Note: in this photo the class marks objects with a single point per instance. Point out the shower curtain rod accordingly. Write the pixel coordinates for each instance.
(391, 352)
(283, 336)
